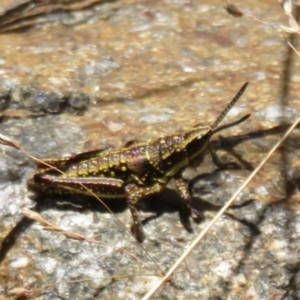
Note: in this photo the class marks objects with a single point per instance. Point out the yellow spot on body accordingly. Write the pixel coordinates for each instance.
(123, 168)
(112, 173)
(162, 141)
(83, 172)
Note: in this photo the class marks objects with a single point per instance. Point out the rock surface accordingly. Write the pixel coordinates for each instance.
(99, 76)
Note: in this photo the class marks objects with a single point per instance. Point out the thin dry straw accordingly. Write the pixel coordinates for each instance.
(218, 215)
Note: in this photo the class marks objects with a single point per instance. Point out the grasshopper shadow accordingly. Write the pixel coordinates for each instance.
(168, 201)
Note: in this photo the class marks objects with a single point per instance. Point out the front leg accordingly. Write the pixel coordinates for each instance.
(186, 196)
(134, 194)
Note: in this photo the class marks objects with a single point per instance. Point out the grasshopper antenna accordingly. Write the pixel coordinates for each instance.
(227, 109)
(216, 129)
(241, 120)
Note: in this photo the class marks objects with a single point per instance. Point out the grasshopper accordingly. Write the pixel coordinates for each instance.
(135, 171)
